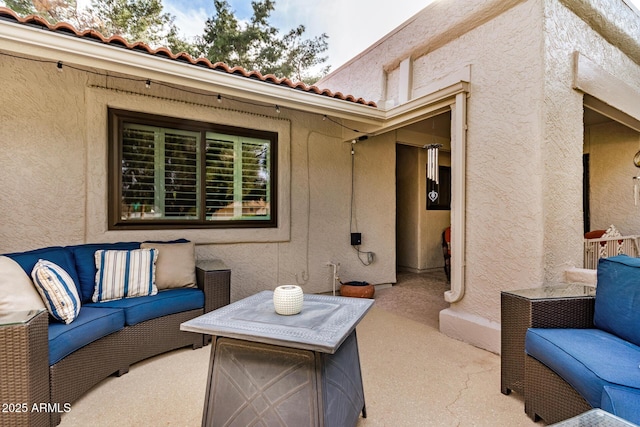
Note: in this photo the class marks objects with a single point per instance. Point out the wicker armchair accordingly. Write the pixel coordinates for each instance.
(547, 395)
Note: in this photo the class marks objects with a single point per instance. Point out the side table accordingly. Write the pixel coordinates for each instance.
(24, 363)
(215, 276)
(544, 307)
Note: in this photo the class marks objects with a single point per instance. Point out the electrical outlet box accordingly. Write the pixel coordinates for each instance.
(356, 239)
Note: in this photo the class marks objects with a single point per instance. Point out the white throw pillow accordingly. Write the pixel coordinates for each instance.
(57, 289)
(17, 292)
(176, 266)
(125, 274)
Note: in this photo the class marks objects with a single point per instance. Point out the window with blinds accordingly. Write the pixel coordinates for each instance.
(168, 173)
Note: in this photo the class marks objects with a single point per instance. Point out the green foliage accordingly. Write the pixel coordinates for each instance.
(253, 45)
(135, 20)
(52, 10)
(257, 45)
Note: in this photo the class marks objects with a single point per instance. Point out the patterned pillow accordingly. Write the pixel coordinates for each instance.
(57, 289)
(125, 274)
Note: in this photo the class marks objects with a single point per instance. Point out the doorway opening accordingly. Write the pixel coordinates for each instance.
(421, 220)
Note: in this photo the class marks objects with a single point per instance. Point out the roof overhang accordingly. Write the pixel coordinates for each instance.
(34, 41)
(28, 40)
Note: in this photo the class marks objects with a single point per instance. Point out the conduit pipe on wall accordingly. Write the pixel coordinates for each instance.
(458, 197)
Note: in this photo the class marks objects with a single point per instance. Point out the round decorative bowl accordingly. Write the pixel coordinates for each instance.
(287, 299)
(357, 290)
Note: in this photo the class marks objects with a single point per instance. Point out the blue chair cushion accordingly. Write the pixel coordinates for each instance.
(170, 301)
(91, 324)
(85, 264)
(58, 255)
(587, 359)
(617, 306)
(622, 402)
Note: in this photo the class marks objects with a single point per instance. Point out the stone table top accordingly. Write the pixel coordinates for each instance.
(322, 325)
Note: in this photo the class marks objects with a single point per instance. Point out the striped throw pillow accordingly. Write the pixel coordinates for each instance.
(57, 289)
(125, 274)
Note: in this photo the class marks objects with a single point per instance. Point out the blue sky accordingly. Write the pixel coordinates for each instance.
(352, 25)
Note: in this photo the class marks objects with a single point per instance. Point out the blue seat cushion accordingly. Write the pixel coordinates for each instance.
(85, 263)
(623, 402)
(587, 359)
(56, 254)
(91, 324)
(617, 306)
(169, 301)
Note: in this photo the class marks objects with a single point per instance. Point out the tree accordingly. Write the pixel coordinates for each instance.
(52, 10)
(135, 20)
(254, 45)
(257, 45)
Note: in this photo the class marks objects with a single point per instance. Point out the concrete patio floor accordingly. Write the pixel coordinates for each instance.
(413, 375)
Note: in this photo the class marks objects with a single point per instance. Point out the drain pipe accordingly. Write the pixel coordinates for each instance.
(335, 275)
(458, 197)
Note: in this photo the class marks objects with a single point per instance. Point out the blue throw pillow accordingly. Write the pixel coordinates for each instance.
(617, 306)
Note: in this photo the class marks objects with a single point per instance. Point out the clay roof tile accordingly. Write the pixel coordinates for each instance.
(119, 41)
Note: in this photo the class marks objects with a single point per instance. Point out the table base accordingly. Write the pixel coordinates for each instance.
(261, 384)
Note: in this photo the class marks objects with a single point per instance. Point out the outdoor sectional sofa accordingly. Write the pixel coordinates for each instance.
(48, 364)
(571, 370)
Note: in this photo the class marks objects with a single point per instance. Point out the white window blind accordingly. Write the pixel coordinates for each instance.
(192, 175)
(160, 174)
(238, 177)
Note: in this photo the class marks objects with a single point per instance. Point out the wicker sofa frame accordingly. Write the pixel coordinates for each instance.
(25, 358)
(546, 394)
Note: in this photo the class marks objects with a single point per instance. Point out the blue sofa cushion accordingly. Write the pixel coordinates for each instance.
(85, 263)
(55, 254)
(170, 301)
(617, 306)
(587, 359)
(623, 402)
(91, 324)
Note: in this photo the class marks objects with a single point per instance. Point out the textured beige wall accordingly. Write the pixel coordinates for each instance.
(563, 123)
(408, 209)
(53, 182)
(612, 147)
(525, 127)
(41, 156)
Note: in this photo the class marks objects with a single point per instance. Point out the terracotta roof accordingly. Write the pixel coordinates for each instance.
(163, 52)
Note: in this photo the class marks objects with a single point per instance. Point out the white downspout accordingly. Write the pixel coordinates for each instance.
(458, 197)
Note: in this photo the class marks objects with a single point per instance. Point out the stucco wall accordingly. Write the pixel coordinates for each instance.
(53, 179)
(611, 149)
(525, 127)
(408, 209)
(563, 125)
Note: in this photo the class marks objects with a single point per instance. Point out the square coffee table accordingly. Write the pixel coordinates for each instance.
(595, 418)
(299, 370)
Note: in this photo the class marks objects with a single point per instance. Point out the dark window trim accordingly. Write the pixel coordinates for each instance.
(116, 118)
